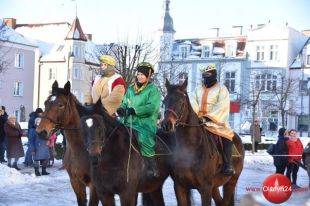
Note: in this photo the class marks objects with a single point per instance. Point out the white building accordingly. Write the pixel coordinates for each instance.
(258, 62)
(66, 53)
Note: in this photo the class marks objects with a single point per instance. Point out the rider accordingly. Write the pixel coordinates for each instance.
(108, 85)
(139, 110)
(211, 102)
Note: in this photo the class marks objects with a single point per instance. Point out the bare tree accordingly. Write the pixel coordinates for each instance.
(282, 94)
(252, 100)
(4, 50)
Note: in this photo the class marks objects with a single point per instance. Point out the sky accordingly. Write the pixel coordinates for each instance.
(23, 188)
(118, 20)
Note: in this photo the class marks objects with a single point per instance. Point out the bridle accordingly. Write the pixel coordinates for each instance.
(179, 117)
(59, 124)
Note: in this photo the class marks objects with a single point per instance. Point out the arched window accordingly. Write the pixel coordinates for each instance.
(266, 82)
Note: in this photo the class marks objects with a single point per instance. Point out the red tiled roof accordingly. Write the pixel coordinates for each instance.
(76, 27)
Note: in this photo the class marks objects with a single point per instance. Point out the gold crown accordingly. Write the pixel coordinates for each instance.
(108, 60)
(208, 68)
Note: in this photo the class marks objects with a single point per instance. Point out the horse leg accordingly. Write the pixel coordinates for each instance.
(157, 197)
(216, 195)
(107, 199)
(206, 194)
(128, 198)
(93, 198)
(182, 194)
(80, 191)
(229, 191)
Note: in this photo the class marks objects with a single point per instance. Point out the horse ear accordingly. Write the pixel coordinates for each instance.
(184, 85)
(54, 86)
(67, 87)
(167, 83)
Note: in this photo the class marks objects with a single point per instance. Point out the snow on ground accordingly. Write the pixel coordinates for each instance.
(23, 188)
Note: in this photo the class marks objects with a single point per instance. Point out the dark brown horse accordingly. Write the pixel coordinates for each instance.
(197, 159)
(61, 112)
(118, 166)
(306, 159)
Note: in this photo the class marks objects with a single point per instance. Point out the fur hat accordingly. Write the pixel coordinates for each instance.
(108, 60)
(39, 110)
(145, 68)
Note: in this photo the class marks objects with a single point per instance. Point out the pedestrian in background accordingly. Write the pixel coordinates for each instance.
(3, 119)
(256, 132)
(39, 150)
(281, 149)
(295, 150)
(51, 148)
(13, 141)
(31, 125)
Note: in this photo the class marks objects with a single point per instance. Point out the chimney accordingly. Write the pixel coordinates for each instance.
(89, 37)
(237, 30)
(217, 32)
(10, 22)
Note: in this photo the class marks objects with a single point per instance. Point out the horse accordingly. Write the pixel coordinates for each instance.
(306, 160)
(197, 160)
(62, 112)
(117, 165)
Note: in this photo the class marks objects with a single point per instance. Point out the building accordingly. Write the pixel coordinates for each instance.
(18, 59)
(66, 53)
(256, 66)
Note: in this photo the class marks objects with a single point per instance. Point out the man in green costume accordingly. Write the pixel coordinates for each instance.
(139, 110)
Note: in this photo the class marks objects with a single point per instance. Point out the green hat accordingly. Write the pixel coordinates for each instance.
(145, 68)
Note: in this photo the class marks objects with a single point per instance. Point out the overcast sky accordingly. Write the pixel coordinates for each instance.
(115, 20)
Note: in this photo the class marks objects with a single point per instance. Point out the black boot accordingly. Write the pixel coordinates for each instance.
(36, 171)
(9, 165)
(151, 167)
(228, 170)
(15, 166)
(44, 171)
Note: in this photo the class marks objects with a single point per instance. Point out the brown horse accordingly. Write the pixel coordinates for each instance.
(117, 165)
(61, 112)
(306, 159)
(197, 160)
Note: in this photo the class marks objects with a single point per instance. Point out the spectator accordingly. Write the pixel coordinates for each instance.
(39, 150)
(280, 148)
(3, 119)
(295, 150)
(13, 141)
(256, 132)
(64, 147)
(32, 116)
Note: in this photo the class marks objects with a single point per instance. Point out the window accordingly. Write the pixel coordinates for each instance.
(303, 86)
(19, 60)
(266, 82)
(183, 52)
(78, 73)
(18, 89)
(260, 53)
(205, 51)
(273, 52)
(182, 76)
(230, 81)
(231, 50)
(51, 73)
(77, 51)
(308, 59)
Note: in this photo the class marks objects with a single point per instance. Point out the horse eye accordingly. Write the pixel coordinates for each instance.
(61, 106)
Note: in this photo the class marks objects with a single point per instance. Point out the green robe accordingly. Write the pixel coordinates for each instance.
(146, 105)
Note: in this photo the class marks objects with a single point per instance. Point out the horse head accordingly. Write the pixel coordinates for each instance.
(94, 131)
(58, 110)
(176, 105)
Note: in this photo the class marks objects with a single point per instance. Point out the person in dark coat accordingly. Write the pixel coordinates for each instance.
(39, 150)
(3, 119)
(13, 141)
(32, 116)
(280, 162)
